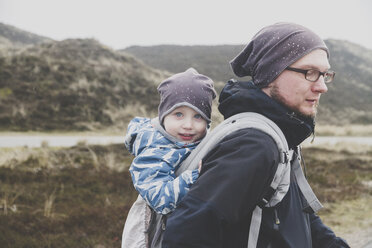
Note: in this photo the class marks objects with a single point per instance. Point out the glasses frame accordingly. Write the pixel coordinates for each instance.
(320, 74)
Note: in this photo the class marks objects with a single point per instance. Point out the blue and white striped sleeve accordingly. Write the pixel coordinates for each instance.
(135, 128)
(153, 175)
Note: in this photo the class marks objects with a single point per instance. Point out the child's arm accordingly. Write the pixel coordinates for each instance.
(153, 177)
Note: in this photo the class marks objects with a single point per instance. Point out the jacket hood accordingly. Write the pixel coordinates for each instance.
(237, 97)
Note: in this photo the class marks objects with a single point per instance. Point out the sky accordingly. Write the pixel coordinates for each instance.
(123, 23)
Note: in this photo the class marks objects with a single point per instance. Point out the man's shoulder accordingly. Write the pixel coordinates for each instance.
(245, 146)
(248, 136)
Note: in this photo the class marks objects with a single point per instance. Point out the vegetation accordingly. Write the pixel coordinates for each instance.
(74, 197)
(209, 60)
(12, 36)
(347, 102)
(347, 130)
(82, 85)
(76, 85)
(342, 179)
(80, 196)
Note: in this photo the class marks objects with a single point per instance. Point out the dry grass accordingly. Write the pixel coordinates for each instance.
(343, 147)
(8, 201)
(79, 196)
(349, 130)
(216, 116)
(351, 220)
(36, 159)
(48, 206)
(341, 176)
(122, 116)
(79, 200)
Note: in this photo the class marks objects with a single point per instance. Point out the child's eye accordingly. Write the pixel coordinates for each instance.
(178, 114)
(198, 116)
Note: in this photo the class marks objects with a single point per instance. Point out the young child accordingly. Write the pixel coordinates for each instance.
(160, 145)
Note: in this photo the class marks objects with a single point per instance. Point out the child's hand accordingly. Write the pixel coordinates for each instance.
(199, 166)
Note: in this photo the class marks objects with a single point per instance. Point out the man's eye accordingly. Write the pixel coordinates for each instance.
(312, 73)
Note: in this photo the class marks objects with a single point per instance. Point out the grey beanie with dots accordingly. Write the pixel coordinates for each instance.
(273, 49)
(187, 88)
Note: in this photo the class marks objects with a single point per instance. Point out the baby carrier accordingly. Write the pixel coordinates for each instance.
(144, 223)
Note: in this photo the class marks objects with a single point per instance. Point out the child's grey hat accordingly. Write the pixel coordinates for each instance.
(273, 49)
(187, 88)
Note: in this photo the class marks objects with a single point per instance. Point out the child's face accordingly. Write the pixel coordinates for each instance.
(185, 124)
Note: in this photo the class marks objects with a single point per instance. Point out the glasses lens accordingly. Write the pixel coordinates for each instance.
(328, 76)
(312, 75)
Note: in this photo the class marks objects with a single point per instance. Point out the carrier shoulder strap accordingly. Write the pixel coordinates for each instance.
(313, 204)
(230, 125)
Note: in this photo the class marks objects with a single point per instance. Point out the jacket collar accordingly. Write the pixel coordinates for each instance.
(237, 97)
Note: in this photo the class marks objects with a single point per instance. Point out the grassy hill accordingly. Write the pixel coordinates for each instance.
(73, 85)
(210, 60)
(80, 84)
(347, 101)
(12, 37)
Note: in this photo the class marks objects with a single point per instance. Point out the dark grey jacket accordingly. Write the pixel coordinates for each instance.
(236, 174)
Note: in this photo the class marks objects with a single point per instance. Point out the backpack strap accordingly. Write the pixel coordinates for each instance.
(313, 204)
(254, 228)
(230, 125)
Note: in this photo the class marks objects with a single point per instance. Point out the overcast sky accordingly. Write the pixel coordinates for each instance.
(123, 23)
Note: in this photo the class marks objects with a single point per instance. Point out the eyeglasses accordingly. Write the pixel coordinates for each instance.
(313, 75)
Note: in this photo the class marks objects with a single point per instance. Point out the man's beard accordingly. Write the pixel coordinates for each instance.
(274, 93)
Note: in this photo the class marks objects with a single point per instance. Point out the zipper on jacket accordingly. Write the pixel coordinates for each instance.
(293, 116)
(276, 221)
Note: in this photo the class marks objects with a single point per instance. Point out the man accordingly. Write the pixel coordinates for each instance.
(289, 67)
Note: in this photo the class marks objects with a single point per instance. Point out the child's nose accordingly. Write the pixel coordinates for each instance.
(187, 123)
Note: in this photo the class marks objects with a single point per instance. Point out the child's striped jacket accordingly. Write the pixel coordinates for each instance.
(158, 155)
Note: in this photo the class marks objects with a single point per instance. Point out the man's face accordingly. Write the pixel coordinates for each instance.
(294, 91)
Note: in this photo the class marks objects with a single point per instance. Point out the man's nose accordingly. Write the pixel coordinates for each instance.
(320, 86)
